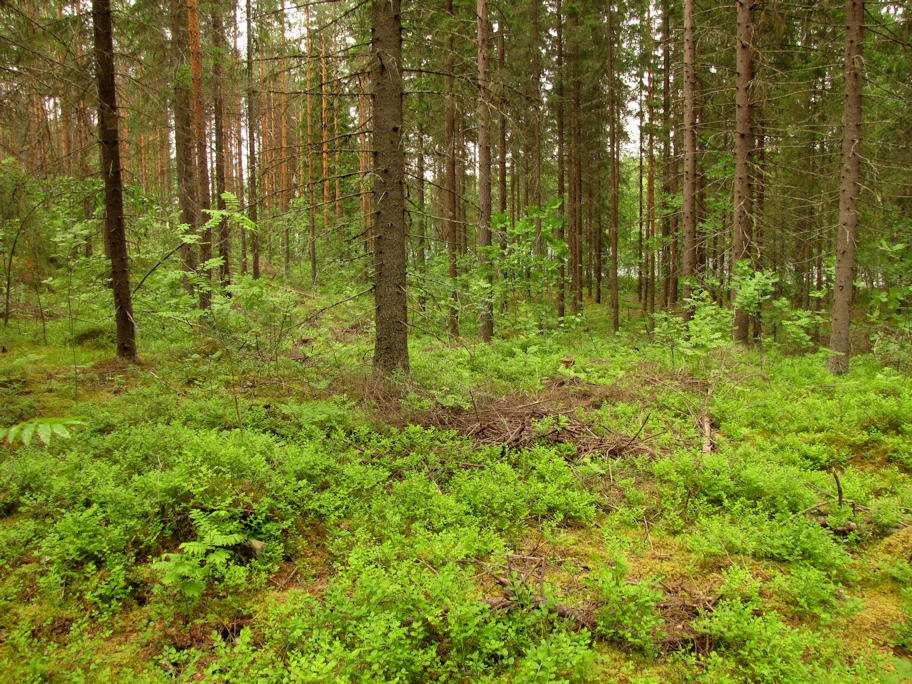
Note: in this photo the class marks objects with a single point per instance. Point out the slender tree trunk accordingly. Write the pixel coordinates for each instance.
(449, 135)
(536, 121)
(364, 162)
(690, 153)
(421, 218)
(743, 143)
(502, 135)
(218, 72)
(850, 180)
(251, 147)
(391, 348)
(650, 195)
(311, 176)
(576, 200)
(615, 201)
(199, 133)
(183, 142)
(284, 182)
(561, 180)
(484, 172)
(116, 240)
(324, 128)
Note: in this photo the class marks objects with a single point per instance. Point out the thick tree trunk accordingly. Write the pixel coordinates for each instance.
(690, 152)
(251, 148)
(743, 144)
(391, 348)
(486, 327)
(116, 240)
(848, 192)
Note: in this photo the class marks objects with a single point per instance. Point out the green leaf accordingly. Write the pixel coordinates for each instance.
(27, 432)
(44, 433)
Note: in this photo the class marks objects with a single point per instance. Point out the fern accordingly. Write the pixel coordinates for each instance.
(45, 428)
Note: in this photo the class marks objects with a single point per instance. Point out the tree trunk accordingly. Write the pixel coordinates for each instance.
(218, 72)
(116, 240)
(486, 327)
(449, 136)
(561, 180)
(251, 148)
(690, 153)
(311, 151)
(666, 257)
(743, 144)
(850, 180)
(186, 164)
(198, 115)
(391, 348)
(324, 128)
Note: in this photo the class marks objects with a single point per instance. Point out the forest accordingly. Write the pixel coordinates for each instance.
(456, 340)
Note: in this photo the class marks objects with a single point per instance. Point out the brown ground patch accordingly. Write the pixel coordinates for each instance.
(554, 415)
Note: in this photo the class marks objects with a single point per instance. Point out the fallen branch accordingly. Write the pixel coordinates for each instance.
(706, 424)
(582, 617)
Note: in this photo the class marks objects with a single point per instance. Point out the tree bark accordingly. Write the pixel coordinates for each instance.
(561, 180)
(486, 327)
(218, 72)
(743, 144)
(850, 179)
(102, 26)
(690, 153)
(251, 148)
(391, 344)
(186, 164)
(449, 136)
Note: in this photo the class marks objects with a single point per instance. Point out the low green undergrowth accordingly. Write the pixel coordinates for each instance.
(281, 516)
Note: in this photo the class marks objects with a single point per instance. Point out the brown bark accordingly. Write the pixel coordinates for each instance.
(198, 119)
(666, 263)
(116, 240)
(850, 179)
(484, 171)
(561, 180)
(690, 152)
(743, 143)
(186, 163)
(284, 189)
(324, 127)
(449, 136)
(311, 151)
(251, 147)
(575, 199)
(218, 73)
(391, 344)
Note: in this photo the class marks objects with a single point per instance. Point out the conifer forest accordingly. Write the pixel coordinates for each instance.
(456, 340)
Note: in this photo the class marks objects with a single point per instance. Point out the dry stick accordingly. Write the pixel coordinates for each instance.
(838, 487)
(706, 424)
(638, 433)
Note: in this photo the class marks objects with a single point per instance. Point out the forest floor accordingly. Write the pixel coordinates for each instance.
(552, 507)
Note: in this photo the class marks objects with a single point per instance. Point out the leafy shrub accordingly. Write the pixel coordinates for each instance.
(628, 612)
